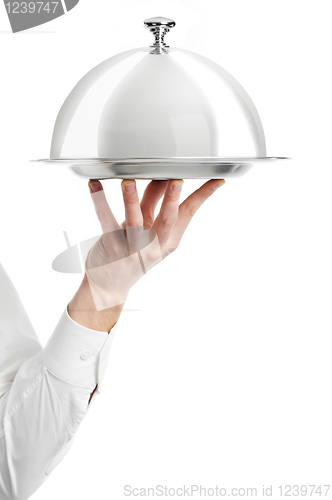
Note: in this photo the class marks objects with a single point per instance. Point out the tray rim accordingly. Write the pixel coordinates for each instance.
(164, 160)
(162, 168)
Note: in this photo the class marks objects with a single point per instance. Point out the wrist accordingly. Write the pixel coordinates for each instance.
(83, 311)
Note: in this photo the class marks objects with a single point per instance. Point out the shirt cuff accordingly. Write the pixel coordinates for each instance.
(76, 354)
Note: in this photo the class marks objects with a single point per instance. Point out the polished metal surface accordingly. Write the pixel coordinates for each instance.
(159, 22)
(139, 105)
(162, 168)
(160, 113)
(159, 26)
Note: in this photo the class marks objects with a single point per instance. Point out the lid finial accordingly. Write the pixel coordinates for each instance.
(159, 26)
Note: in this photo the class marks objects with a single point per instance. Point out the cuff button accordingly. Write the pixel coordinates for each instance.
(85, 355)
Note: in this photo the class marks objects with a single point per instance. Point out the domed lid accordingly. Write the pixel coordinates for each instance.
(158, 112)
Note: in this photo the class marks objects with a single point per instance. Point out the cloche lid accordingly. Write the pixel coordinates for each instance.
(158, 112)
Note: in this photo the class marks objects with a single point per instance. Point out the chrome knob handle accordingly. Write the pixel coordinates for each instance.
(159, 26)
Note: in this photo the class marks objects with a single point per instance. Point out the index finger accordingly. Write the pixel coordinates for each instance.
(189, 207)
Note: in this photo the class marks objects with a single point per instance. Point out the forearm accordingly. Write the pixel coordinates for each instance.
(82, 309)
(46, 402)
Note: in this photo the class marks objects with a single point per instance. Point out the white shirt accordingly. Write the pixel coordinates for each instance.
(44, 392)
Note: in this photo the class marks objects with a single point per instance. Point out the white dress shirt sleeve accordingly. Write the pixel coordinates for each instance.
(43, 406)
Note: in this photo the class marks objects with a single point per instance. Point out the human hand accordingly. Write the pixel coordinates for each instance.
(125, 252)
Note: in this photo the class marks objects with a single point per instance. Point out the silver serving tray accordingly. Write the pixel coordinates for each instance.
(161, 168)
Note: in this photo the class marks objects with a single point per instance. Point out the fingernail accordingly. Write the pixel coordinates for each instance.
(129, 186)
(95, 186)
(219, 183)
(177, 186)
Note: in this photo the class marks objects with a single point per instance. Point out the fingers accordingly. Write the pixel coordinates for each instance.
(152, 194)
(189, 206)
(131, 202)
(168, 214)
(105, 216)
(134, 218)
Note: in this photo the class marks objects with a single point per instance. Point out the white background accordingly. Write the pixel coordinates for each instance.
(223, 375)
